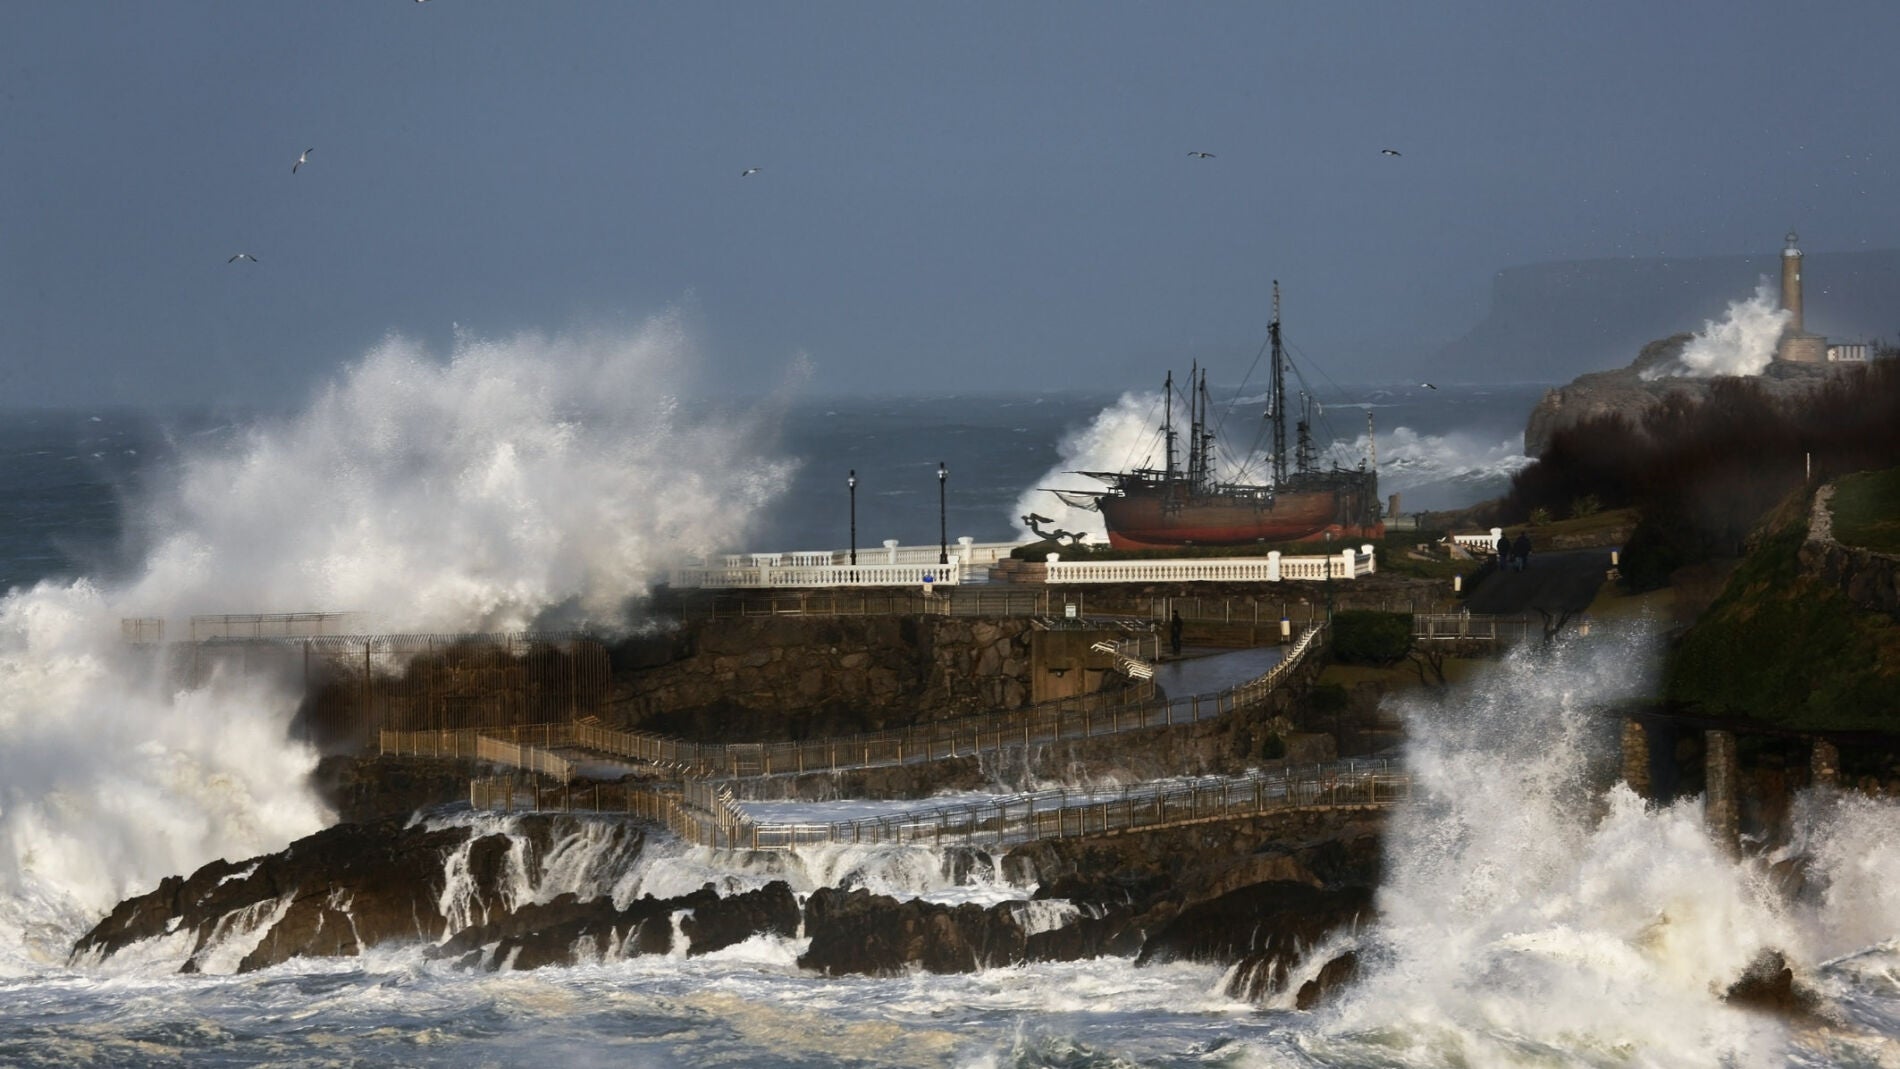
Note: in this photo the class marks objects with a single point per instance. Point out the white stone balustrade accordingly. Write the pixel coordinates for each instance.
(776, 576)
(1273, 568)
(1481, 543)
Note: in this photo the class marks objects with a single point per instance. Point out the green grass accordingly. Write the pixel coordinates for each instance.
(1782, 648)
(1867, 510)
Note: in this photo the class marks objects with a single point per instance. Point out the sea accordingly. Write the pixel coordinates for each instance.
(1532, 913)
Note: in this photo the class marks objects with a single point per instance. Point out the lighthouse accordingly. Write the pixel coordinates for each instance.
(1791, 281)
(1796, 343)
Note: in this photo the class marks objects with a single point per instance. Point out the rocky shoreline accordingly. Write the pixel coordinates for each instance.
(542, 890)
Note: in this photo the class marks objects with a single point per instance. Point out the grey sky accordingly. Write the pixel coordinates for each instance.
(969, 196)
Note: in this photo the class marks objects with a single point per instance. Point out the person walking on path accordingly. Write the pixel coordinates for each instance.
(1504, 550)
(1174, 633)
(1523, 551)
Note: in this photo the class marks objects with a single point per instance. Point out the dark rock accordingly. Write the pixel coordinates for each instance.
(568, 931)
(1266, 929)
(356, 886)
(1768, 984)
(859, 932)
(386, 877)
(1333, 976)
(717, 923)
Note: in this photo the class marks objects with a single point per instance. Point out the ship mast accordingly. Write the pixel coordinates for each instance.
(1167, 420)
(1204, 438)
(1303, 452)
(1277, 398)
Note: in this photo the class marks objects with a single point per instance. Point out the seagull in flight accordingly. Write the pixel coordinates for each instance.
(241, 256)
(1202, 155)
(749, 171)
(1390, 152)
(301, 160)
(1428, 385)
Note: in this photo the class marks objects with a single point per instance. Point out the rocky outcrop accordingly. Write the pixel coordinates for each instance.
(334, 893)
(1768, 984)
(1260, 893)
(342, 891)
(569, 930)
(1628, 394)
(859, 932)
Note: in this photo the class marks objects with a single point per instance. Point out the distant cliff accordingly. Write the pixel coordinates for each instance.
(1551, 321)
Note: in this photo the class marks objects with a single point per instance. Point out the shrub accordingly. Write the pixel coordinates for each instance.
(1587, 505)
(1370, 637)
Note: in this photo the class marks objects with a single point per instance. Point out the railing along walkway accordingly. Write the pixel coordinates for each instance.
(936, 741)
(1477, 627)
(705, 815)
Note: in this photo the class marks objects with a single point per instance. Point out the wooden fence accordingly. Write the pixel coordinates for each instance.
(1085, 717)
(705, 814)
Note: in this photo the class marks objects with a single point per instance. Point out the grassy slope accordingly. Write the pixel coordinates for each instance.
(1782, 648)
(1867, 511)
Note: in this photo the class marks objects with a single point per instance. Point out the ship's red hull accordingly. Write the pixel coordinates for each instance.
(1154, 517)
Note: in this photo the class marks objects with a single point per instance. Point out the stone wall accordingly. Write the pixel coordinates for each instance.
(1870, 580)
(805, 676)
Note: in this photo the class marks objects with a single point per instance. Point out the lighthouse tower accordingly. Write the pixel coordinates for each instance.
(1791, 281)
(1796, 343)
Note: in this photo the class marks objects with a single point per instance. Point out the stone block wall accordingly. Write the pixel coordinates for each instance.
(804, 677)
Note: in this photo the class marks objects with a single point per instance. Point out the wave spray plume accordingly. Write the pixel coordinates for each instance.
(527, 482)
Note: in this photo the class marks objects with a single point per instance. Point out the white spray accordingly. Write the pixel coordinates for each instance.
(1741, 343)
(517, 482)
(1527, 917)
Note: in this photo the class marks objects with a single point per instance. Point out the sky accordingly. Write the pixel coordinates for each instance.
(950, 197)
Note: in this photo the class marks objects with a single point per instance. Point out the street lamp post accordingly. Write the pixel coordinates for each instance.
(851, 481)
(943, 525)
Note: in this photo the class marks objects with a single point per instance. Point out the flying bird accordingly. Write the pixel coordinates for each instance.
(1202, 155)
(1390, 152)
(241, 256)
(1428, 385)
(301, 160)
(749, 171)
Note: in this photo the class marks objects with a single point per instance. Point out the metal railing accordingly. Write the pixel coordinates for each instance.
(705, 814)
(1089, 716)
(1472, 627)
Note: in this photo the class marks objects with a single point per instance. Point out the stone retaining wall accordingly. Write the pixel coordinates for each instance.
(807, 677)
(1870, 580)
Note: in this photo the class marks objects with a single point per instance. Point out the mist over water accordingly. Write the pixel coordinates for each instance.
(524, 482)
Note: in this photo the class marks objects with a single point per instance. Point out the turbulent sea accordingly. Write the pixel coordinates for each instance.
(1530, 915)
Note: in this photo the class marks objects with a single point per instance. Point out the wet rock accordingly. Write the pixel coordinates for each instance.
(1270, 925)
(1334, 975)
(859, 932)
(344, 890)
(569, 931)
(386, 877)
(1768, 984)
